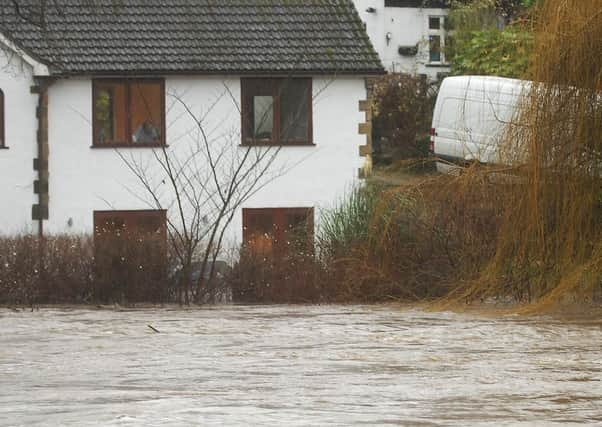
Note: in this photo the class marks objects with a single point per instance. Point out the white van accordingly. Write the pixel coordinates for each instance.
(470, 118)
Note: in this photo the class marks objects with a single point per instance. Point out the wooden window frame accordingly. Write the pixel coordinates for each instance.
(275, 83)
(131, 215)
(128, 115)
(442, 34)
(278, 214)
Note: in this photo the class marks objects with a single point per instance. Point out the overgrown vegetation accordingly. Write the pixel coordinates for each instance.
(550, 244)
(491, 37)
(403, 108)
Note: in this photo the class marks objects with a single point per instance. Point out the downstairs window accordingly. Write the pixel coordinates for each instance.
(130, 254)
(274, 232)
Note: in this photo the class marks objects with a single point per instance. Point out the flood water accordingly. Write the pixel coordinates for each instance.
(296, 365)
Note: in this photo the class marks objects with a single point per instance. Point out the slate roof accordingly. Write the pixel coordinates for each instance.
(192, 36)
(439, 4)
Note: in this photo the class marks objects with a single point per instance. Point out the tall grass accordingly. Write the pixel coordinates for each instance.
(348, 224)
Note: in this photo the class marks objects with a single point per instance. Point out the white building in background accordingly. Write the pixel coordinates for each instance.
(409, 35)
(99, 83)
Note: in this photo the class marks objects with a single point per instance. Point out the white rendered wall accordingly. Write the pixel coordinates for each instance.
(84, 179)
(407, 26)
(16, 162)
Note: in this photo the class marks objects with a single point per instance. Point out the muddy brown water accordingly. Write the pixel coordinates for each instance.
(296, 365)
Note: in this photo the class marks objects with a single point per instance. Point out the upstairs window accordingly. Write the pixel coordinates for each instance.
(276, 111)
(436, 35)
(128, 112)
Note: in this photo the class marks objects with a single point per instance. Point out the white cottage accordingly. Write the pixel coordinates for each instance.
(95, 94)
(409, 35)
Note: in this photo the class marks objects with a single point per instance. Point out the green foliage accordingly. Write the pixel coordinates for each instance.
(492, 52)
(348, 224)
(491, 37)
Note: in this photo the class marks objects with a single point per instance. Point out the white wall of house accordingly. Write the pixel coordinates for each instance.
(392, 27)
(16, 162)
(84, 179)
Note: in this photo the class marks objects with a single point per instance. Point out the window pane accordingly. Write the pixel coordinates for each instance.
(150, 224)
(110, 113)
(294, 110)
(258, 107)
(258, 230)
(297, 230)
(434, 23)
(435, 48)
(263, 117)
(146, 112)
(276, 231)
(109, 225)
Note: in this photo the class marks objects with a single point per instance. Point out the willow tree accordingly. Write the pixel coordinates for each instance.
(550, 242)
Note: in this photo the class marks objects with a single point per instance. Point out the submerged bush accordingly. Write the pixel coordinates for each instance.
(54, 270)
(296, 277)
(67, 269)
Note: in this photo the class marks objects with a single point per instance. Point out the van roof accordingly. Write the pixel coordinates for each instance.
(461, 84)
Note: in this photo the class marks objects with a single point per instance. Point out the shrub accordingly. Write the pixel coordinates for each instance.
(296, 277)
(69, 269)
(56, 270)
(403, 107)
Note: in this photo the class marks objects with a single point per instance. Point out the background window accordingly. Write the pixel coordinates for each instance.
(436, 39)
(128, 112)
(276, 111)
(434, 23)
(435, 48)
